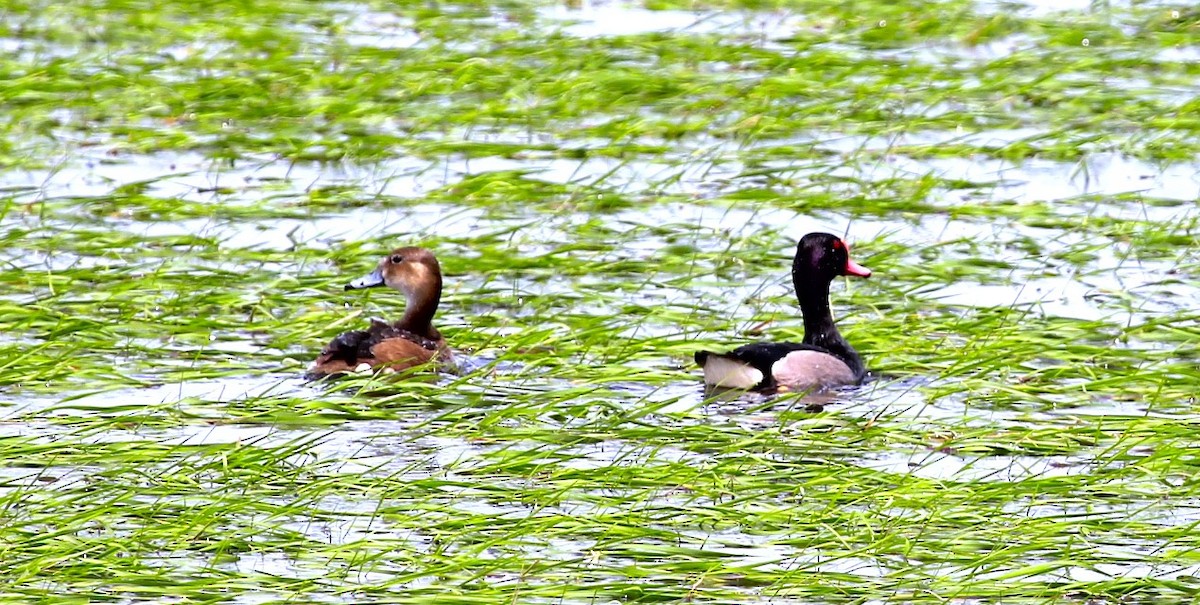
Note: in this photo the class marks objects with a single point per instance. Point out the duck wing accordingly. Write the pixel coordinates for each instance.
(354, 347)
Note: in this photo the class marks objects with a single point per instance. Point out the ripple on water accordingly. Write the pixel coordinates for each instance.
(935, 464)
(595, 19)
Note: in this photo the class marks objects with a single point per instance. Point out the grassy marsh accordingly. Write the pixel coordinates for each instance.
(609, 187)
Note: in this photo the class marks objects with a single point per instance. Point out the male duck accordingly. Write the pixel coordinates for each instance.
(824, 359)
(410, 342)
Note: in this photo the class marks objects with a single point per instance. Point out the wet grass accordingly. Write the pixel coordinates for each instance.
(185, 188)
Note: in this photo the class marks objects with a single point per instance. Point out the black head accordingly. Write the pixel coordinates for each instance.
(820, 257)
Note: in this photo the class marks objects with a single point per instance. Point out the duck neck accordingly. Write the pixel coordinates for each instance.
(819, 329)
(818, 318)
(419, 311)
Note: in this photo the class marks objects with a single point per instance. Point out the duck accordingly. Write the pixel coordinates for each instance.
(407, 343)
(823, 360)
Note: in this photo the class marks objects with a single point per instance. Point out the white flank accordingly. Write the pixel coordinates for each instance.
(808, 370)
(724, 372)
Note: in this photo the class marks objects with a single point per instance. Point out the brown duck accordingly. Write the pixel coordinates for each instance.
(410, 342)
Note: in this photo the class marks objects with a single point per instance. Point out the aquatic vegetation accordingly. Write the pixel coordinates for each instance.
(609, 188)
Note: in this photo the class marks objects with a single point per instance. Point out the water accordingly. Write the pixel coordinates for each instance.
(503, 447)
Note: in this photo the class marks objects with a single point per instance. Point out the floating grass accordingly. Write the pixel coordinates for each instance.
(184, 190)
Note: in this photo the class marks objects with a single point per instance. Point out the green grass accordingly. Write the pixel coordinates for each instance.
(185, 188)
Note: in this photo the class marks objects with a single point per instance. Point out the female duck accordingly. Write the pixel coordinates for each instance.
(824, 359)
(410, 342)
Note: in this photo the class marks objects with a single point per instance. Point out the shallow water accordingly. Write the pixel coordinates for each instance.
(1079, 295)
(162, 300)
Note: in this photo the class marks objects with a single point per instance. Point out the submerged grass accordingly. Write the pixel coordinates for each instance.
(609, 187)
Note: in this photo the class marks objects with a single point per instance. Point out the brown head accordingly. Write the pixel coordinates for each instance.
(416, 273)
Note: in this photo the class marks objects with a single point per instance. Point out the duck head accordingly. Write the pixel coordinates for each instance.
(410, 270)
(820, 257)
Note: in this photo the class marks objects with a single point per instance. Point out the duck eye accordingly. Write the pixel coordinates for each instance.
(397, 259)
